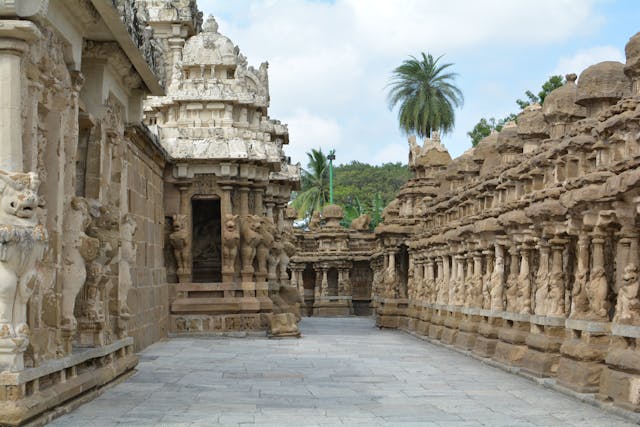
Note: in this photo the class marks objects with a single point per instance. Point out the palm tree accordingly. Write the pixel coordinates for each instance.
(427, 95)
(315, 184)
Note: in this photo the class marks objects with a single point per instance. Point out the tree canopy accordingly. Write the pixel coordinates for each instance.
(426, 94)
(358, 187)
(485, 126)
(315, 184)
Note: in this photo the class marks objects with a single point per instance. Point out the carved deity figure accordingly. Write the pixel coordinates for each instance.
(178, 240)
(230, 243)
(555, 297)
(22, 244)
(103, 227)
(497, 286)
(128, 249)
(486, 284)
(542, 283)
(579, 300)
(597, 290)
(78, 249)
(628, 303)
(523, 295)
(249, 230)
(511, 292)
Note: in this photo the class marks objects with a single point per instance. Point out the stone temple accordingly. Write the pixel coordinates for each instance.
(144, 193)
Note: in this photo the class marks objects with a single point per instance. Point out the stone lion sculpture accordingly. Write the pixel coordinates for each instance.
(361, 223)
(230, 243)
(22, 244)
(249, 230)
(283, 322)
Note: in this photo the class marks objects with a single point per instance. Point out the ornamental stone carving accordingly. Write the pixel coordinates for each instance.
(22, 244)
(78, 250)
(230, 244)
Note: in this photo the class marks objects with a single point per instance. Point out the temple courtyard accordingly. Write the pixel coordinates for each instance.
(344, 371)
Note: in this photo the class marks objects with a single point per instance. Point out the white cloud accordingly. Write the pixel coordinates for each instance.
(582, 59)
(308, 131)
(330, 61)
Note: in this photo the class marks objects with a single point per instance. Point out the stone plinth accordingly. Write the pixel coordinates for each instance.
(620, 378)
(468, 329)
(452, 319)
(511, 346)
(389, 312)
(437, 322)
(422, 327)
(34, 391)
(333, 306)
(490, 323)
(544, 340)
(583, 355)
(220, 307)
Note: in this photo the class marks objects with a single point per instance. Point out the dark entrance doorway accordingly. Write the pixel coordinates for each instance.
(207, 241)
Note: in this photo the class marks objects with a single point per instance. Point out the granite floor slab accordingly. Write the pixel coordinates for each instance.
(344, 371)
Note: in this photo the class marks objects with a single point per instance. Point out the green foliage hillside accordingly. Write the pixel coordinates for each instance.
(361, 181)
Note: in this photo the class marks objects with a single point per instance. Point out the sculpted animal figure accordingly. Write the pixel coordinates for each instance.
(555, 297)
(628, 304)
(249, 230)
(230, 243)
(267, 230)
(497, 287)
(78, 249)
(361, 223)
(22, 245)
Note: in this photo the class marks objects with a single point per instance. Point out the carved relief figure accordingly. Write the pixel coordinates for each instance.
(22, 244)
(104, 227)
(249, 229)
(628, 304)
(267, 230)
(178, 240)
(230, 243)
(555, 297)
(78, 249)
(523, 295)
(486, 282)
(597, 289)
(579, 301)
(512, 290)
(361, 223)
(542, 282)
(497, 286)
(127, 261)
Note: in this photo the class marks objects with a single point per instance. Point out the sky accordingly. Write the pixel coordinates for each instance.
(330, 61)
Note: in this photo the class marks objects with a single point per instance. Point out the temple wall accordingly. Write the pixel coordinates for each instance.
(524, 250)
(149, 295)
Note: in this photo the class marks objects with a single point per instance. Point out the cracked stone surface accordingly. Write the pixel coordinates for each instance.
(344, 371)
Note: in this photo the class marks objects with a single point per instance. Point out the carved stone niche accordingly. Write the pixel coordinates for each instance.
(22, 244)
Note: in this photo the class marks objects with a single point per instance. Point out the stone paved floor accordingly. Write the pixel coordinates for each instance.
(343, 372)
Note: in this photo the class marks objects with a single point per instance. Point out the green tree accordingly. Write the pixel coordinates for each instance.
(552, 83)
(485, 126)
(314, 192)
(427, 95)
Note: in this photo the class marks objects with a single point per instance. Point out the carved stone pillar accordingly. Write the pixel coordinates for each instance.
(523, 296)
(497, 280)
(324, 290)
(476, 295)
(244, 200)
(598, 286)
(486, 279)
(225, 201)
(14, 38)
(579, 300)
(512, 279)
(446, 279)
(555, 298)
(257, 198)
(542, 279)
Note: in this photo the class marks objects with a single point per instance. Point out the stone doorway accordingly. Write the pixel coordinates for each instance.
(207, 241)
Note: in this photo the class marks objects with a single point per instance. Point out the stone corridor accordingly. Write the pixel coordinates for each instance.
(343, 372)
